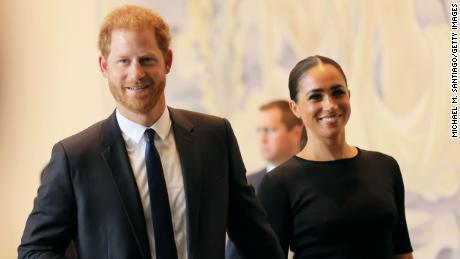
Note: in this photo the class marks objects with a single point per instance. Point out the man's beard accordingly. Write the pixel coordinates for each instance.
(142, 104)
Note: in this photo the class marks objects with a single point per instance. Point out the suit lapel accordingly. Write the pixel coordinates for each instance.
(116, 158)
(189, 154)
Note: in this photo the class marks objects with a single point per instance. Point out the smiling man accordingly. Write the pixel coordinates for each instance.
(150, 181)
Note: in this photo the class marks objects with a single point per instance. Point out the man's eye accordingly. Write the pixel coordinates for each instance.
(271, 130)
(261, 130)
(146, 60)
(123, 61)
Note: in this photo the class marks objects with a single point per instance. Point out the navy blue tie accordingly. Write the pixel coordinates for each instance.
(165, 245)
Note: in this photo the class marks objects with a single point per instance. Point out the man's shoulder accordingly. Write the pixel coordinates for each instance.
(207, 125)
(85, 139)
(195, 117)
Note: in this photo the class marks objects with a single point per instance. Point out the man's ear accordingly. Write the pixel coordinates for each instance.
(168, 60)
(103, 65)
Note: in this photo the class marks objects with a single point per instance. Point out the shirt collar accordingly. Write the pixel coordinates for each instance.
(135, 131)
(270, 167)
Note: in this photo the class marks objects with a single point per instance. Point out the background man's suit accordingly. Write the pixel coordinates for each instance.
(89, 195)
(255, 178)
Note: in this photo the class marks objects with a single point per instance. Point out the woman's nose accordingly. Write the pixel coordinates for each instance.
(329, 103)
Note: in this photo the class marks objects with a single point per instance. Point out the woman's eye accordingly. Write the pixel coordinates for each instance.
(315, 97)
(338, 92)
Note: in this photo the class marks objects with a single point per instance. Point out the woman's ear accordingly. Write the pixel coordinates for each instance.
(294, 109)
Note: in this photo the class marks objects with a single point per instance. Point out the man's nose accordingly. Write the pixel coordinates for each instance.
(137, 71)
(262, 136)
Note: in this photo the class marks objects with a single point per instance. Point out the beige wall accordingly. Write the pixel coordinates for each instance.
(50, 87)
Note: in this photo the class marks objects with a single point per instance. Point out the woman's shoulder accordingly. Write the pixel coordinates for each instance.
(376, 156)
(375, 159)
(289, 170)
(279, 181)
(291, 165)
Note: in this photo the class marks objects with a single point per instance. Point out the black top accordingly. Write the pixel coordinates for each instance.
(347, 208)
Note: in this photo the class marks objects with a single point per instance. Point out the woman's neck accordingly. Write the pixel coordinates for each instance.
(327, 149)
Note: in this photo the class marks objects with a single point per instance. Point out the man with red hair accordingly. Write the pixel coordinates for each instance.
(150, 181)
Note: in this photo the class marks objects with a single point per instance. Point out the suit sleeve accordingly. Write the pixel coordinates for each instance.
(275, 201)
(401, 240)
(51, 223)
(230, 251)
(247, 227)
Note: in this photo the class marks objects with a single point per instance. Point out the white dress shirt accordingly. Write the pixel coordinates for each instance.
(270, 167)
(133, 134)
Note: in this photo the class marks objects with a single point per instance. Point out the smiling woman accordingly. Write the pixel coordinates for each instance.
(334, 200)
(322, 99)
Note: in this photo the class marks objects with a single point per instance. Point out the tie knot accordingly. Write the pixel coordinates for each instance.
(149, 135)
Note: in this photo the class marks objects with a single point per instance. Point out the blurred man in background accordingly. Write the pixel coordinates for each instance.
(281, 135)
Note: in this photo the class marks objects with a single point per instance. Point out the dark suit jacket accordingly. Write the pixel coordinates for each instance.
(89, 194)
(254, 180)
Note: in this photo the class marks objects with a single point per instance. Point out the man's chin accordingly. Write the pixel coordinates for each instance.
(137, 109)
(142, 110)
(267, 158)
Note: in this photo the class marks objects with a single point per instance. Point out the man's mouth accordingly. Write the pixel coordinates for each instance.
(137, 88)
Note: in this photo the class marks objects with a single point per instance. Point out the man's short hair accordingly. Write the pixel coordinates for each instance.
(133, 18)
(287, 116)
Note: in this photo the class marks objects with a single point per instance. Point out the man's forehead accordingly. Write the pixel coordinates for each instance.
(139, 33)
(269, 117)
(273, 112)
(129, 40)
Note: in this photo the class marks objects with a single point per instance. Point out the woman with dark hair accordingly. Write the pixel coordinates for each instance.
(334, 200)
